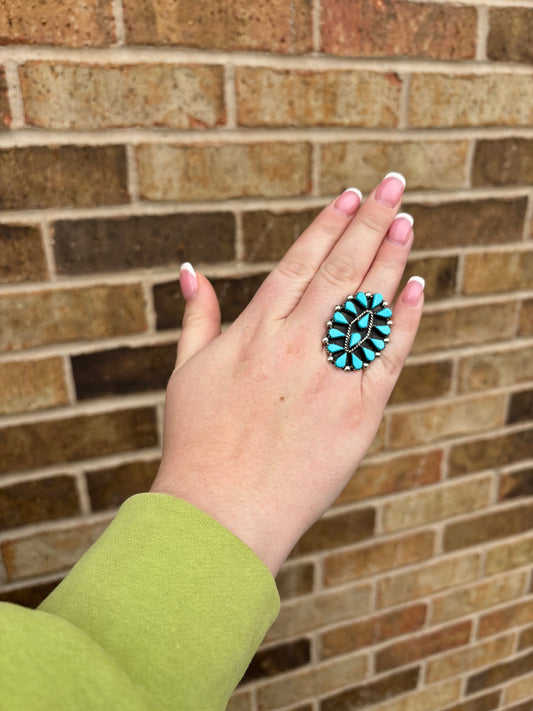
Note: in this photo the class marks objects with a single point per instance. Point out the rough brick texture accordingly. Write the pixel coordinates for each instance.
(139, 134)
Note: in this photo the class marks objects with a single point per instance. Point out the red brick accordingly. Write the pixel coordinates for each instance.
(510, 37)
(423, 645)
(371, 28)
(5, 109)
(30, 596)
(89, 97)
(21, 254)
(219, 172)
(502, 619)
(55, 316)
(63, 176)
(275, 97)
(276, 26)
(500, 673)
(276, 660)
(68, 23)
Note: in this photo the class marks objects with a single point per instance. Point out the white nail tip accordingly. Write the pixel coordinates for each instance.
(396, 175)
(356, 191)
(187, 266)
(419, 279)
(406, 216)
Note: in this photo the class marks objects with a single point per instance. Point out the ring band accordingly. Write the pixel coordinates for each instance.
(358, 331)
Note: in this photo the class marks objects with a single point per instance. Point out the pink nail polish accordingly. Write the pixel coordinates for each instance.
(400, 230)
(349, 201)
(391, 188)
(188, 281)
(414, 290)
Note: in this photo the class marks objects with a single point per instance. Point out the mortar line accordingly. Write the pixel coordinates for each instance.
(132, 178)
(469, 162)
(482, 33)
(403, 118)
(240, 247)
(47, 242)
(69, 379)
(14, 94)
(316, 162)
(316, 27)
(83, 493)
(528, 219)
(230, 97)
(150, 311)
(118, 15)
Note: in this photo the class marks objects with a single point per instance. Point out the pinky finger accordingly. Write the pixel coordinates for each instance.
(380, 379)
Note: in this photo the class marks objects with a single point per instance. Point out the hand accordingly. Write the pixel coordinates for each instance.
(261, 432)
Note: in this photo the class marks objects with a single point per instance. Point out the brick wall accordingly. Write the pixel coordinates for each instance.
(139, 133)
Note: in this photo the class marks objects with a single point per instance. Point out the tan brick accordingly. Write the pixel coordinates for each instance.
(32, 385)
(428, 699)
(85, 313)
(510, 37)
(368, 560)
(336, 530)
(424, 507)
(423, 381)
(5, 109)
(470, 100)
(275, 97)
(314, 682)
(276, 26)
(427, 424)
(358, 28)
(526, 637)
(502, 672)
(519, 690)
(217, 172)
(88, 97)
(240, 702)
(309, 613)
(440, 274)
(465, 326)
(425, 164)
(268, 235)
(496, 369)
(498, 271)
(372, 630)
(476, 656)
(48, 551)
(402, 472)
(423, 645)
(502, 619)
(32, 445)
(496, 524)
(468, 222)
(507, 161)
(63, 176)
(68, 23)
(525, 326)
(21, 254)
(489, 453)
(487, 702)
(426, 579)
(467, 600)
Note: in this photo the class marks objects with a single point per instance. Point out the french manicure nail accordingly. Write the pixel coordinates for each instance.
(391, 188)
(414, 290)
(349, 201)
(401, 227)
(188, 281)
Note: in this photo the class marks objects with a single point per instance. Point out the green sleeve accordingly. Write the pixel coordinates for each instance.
(165, 611)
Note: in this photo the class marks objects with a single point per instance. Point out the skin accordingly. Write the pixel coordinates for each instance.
(261, 432)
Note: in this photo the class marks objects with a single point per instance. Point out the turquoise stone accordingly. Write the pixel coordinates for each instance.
(380, 345)
(377, 300)
(363, 322)
(335, 333)
(385, 330)
(361, 298)
(340, 318)
(354, 338)
(334, 348)
(357, 364)
(350, 307)
(341, 361)
(384, 313)
(369, 355)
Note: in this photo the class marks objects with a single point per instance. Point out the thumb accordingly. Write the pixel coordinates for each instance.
(201, 321)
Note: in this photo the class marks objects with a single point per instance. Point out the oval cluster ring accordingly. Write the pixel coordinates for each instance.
(358, 331)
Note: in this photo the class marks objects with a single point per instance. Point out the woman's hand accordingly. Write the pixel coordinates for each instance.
(261, 432)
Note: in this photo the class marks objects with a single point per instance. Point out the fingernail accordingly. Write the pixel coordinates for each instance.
(188, 281)
(400, 230)
(349, 201)
(414, 290)
(391, 188)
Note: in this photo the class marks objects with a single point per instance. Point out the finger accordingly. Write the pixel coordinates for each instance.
(381, 376)
(347, 263)
(201, 321)
(283, 288)
(387, 269)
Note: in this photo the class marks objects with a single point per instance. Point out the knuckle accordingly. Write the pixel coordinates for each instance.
(337, 270)
(373, 222)
(294, 267)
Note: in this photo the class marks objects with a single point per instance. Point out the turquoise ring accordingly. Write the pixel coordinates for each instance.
(358, 331)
